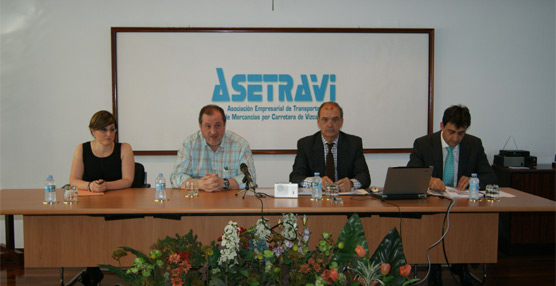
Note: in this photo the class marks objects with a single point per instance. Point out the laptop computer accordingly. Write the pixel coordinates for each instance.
(405, 183)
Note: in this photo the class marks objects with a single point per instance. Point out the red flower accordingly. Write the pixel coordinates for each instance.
(318, 260)
(384, 268)
(330, 275)
(333, 274)
(316, 267)
(176, 281)
(360, 251)
(174, 258)
(184, 255)
(186, 265)
(325, 275)
(305, 268)
(405, 270)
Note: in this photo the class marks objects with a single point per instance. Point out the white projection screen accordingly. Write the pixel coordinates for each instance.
(270, 83)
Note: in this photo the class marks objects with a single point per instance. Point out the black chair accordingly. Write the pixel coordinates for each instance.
(140, 179)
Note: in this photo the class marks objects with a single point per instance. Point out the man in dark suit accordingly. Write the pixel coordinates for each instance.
(454, 155)
(468, 152)
(336, 155)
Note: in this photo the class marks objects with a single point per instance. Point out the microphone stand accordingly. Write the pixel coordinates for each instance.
(247, 188)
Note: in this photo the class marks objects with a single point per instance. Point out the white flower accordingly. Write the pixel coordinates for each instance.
(262, 230)
(290, 226)
(230, 244)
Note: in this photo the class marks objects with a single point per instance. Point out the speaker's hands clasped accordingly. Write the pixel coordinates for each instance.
(211, 183)
(345, 184)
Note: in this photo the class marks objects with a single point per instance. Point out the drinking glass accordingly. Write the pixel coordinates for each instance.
(492, 193)
(332, 191)
(191, 189)
(70, 194)
(327, 194)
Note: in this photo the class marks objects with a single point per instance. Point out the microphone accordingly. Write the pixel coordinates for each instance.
(247, 179)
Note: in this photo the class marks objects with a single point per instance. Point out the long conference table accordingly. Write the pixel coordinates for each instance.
(86, 233)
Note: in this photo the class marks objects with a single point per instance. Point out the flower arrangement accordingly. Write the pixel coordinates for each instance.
(264, 255)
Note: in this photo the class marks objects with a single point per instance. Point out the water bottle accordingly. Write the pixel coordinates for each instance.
(160, 185)
(316, 187)
(474, 187)
(50, 190)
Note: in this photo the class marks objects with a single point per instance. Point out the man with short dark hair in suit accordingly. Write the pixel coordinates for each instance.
(341, 152)
(467, 151)
(454, 155)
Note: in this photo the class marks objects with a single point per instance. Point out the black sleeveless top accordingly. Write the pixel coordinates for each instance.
(107, 168)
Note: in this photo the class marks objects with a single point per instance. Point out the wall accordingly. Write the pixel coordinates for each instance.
(497, 57)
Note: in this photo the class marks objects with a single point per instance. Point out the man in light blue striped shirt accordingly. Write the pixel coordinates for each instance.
(212, 156)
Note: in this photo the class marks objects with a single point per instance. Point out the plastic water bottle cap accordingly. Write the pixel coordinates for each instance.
(49, 177)
(317, 174)
(160, 174)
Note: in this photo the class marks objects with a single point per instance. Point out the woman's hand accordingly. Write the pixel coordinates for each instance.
(98, 186)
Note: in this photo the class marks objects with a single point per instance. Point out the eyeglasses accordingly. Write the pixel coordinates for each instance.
(106, 130)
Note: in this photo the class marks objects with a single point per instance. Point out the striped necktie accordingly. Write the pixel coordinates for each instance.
(448, 176)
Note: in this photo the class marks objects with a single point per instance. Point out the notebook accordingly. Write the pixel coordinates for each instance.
(406, 183)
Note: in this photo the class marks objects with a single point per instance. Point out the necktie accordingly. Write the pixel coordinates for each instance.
(448, 176)
(330, 170)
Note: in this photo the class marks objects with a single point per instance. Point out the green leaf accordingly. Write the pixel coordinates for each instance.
(411, 281)
(351, 235)
(390, 250)
(244, 272)
(137, 253)
(216, 282)
(120, 273)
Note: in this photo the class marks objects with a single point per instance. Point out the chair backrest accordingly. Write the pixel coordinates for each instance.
(139, 181)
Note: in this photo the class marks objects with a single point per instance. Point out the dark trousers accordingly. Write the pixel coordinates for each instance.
(92, 276)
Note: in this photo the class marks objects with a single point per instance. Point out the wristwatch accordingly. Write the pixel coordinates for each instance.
(226, 184)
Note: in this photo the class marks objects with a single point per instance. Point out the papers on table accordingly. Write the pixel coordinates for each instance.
(84, 193)
(455, 193)
(305, 192)
(359, 192)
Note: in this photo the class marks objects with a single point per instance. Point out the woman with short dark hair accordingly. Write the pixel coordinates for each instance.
(101, 164)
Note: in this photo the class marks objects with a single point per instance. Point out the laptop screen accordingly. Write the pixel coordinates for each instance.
(406, 182)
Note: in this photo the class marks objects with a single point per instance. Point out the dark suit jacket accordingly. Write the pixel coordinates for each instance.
(427, 151)
(310, 159)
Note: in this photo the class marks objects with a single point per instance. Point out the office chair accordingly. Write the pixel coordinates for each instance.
(140, 179)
